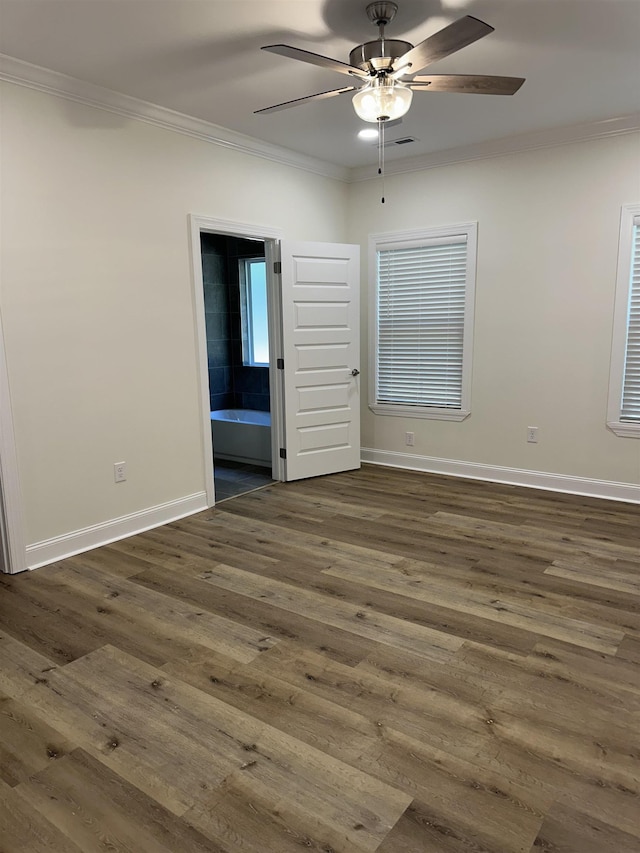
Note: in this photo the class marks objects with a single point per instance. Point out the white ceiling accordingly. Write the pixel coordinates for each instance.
(581, 59)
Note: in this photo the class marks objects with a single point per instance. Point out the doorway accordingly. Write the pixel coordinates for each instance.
(234, 279)
(199, 227)
(313, 330)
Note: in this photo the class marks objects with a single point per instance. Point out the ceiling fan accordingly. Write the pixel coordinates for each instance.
(384, 70)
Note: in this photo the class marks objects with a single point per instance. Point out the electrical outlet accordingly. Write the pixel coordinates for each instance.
(532, 435)
(119, 471)
(410, 439)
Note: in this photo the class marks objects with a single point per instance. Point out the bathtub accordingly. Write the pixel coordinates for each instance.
(242, 435)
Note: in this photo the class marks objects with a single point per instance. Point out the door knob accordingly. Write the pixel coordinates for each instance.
(355, 372)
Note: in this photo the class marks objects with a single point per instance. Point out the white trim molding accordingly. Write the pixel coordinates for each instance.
(627, 492)
(394, 411)
(63, 86)
(21, 73)
(199, 224)
(565, 135)
(625, 429)
(59, 547)
(10, 493)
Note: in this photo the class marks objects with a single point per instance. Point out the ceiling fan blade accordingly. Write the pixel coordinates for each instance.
(315, 59)
(475, 84)
(318, 97)
(457, 35)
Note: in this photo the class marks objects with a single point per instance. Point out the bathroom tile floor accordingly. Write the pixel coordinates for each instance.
(236, 478)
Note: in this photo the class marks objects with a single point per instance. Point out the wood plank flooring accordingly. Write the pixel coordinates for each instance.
(379, 660)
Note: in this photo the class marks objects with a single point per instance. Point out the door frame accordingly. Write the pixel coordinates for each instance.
(271, 237)
(15, 551)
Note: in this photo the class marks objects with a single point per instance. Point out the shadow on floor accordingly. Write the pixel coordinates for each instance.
(236, 478)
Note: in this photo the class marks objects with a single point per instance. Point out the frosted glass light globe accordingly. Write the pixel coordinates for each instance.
(382, 100)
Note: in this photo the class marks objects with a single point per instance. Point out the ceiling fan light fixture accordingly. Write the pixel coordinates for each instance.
(383, 99)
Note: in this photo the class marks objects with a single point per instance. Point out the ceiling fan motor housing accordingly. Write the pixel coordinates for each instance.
(379, 54)
(381, 13)
(380, 66)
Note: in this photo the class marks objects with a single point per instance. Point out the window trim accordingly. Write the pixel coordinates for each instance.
(391, 240)
(246, 310)
(624, 429)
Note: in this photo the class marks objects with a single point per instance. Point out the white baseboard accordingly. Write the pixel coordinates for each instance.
(627, 492)
(50, 550)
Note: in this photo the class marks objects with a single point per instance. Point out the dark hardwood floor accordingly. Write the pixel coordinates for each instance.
(379, 660)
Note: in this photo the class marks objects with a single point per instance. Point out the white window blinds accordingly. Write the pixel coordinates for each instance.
(631, 381)
(421, 317)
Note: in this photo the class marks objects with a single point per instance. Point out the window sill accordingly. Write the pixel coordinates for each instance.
(420, 412)
(624, 429)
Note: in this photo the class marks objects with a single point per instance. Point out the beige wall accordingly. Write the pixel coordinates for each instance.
(548, 225)
(96, 298)
(97, 310)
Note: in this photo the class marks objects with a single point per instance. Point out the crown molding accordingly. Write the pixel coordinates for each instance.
(565, 135)
(21, 73)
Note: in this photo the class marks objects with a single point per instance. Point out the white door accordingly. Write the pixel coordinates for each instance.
(321, 346)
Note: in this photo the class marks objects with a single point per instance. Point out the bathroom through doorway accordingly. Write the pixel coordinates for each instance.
(234, 280)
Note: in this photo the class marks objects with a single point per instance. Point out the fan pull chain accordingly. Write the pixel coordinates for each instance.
(381, 155)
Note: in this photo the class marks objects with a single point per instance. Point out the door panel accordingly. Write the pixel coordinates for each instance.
(323, 397)
(321, 344)
(322, 315)
(322, 356)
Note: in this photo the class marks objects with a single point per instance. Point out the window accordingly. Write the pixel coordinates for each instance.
(253, 308)
(623, 416)
(423, 322)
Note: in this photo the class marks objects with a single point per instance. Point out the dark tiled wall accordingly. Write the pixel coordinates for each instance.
(231, 384)
(250, 384)
(216, 307)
